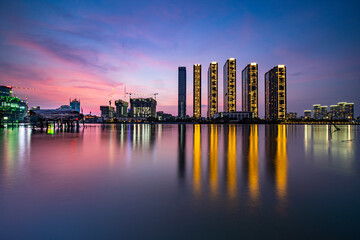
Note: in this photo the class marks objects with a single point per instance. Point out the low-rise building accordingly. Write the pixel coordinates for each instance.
(307, 114)
(235, 115)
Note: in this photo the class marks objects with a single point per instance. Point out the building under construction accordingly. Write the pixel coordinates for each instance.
(142, 107)
(121, 108)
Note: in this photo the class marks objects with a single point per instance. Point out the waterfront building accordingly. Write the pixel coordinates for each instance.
(107, 111)
(307, 114)
(235, 115)
(182, 92)
(349, 111)
(197, 91)
(35, 108)
(75, 104)
(316, 111)
(275, 93)
(229, 79)
(212, 89)
(334, 112)
(323, 112)
(12, 109)
(142, 108)
(341, 110)
(121, 108)
(291, 115)
(250, 88)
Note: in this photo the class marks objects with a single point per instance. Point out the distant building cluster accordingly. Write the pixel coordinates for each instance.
(140, 109)
(275, 91)
(341, 111)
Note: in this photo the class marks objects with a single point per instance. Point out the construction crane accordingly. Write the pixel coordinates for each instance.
(22, 88)
(111, 95)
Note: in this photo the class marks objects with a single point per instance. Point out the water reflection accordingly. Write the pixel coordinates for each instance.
(250, 144)
(231, 161)
(276, 153)
(281, 164)
(182, 150)
(329, 147)
(223, 169)
(197, 159)
(213, 160)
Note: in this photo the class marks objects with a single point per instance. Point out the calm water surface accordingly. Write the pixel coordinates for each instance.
(180, 182)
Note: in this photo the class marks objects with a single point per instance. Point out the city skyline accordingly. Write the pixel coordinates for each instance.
(64, 50)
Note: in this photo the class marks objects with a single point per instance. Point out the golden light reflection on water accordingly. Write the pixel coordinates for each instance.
(197, 160)
(213, 160)
(231, 163)
(253, 168)
(281, 164)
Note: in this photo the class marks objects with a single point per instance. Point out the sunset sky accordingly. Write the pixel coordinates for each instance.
(84, 49)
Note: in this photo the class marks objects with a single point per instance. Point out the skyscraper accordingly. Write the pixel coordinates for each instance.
(182, 93)
(212, 89)
(250, 89)
(230, 85)
(75, 104)
(197, 91)
(275, 93)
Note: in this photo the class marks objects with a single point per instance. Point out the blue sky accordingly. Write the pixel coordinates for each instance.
(85, 49)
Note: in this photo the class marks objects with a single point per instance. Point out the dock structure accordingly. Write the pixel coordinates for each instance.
(67, 118)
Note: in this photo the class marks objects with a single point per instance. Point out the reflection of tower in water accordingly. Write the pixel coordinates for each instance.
(277, 156)
(281, 163)
(197, 159)
(231, 177)
(213, 160)
(251, 164)
(181, 150)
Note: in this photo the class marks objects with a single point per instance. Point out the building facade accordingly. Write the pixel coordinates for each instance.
(212, 89)
(275, 93)
(250, 88)
(75, 104)
(235, 115)
(230, 85)
(307, 114)
(316, 111)
(121, 108)
(182, 92)
(142, 108)
(12, 109)
(334, 112)
(107, 111)
(349, 111)
(197, 91)
(323, 112)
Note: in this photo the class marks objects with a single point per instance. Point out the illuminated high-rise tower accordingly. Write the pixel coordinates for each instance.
(230, 85)
(197, 91)
(182, 93)
(212, 89)
(250, 89)
(275, 93)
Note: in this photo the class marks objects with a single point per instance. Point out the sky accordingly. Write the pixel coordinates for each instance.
(94, 50)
